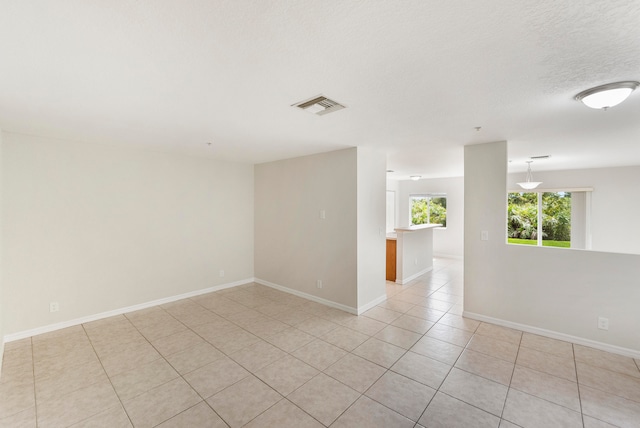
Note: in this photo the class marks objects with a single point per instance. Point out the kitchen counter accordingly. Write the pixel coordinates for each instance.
(413, 251)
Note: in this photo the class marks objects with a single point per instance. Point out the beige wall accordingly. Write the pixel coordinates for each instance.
(553, 291)
(371, 227)
(2, 304)
(294, 247)
(98, 228)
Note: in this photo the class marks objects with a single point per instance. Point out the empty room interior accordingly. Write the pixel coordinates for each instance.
(319, 214)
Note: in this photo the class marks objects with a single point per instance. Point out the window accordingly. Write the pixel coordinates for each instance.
(542, 218)
(429, 208)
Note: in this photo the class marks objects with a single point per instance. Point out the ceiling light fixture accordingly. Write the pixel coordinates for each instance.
(528, 184)
(415, 177)
(605, 96)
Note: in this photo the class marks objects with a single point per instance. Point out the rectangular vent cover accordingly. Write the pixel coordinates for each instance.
(319, 105)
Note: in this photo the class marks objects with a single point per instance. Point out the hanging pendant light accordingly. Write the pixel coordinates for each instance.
(528, 184)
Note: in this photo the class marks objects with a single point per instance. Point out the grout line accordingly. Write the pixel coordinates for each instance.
(187, 327)
(251, 373)
(296, 306)
(448, 373)
(515, 361)
(575, 366)
(35, 389)
(179, 373)
(108, 378)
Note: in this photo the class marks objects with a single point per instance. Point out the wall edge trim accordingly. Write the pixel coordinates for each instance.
(371, 304)
(448, 256)
(95, 317)
(307, 296)
(414, 276)
(555, 335)
(1, 354)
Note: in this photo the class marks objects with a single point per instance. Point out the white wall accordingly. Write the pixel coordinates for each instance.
(553, 291)
(614, 203)
(294, 247)
(447, 242)
(98, 228)
(371, 226)
(414, 254)
(394, 186)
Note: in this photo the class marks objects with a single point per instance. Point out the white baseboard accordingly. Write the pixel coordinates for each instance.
(556, 335)
(414, 276)
(307, 296)
(1, 354)
(70, 323)
(375, 302)
(448, 256)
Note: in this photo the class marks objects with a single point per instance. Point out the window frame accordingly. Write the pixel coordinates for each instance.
(428, 196)
(539, 192)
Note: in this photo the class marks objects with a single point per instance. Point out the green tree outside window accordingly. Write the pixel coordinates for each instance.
(429, 209)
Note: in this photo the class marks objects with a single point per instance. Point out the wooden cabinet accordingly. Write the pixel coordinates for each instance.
(391, 260)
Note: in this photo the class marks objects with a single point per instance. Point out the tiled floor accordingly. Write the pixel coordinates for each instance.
(252, 355)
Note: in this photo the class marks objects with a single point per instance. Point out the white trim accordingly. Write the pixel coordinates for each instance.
(371, 304)
(64, 324)
(1, 354)
(588, 239)
(554, 190)
(555, 335)
(307, 296)
(414, 276)
(447, 256)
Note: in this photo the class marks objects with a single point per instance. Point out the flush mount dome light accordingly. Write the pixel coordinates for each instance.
(605, 96)
(415, 177)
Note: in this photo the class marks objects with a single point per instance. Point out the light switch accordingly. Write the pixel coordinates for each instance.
(484, 235)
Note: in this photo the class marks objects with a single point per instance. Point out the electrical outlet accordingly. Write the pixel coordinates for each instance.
(319, 283)
(221, 273)
(54, 307)
(323, 214)
(415, 261)
(603, 323)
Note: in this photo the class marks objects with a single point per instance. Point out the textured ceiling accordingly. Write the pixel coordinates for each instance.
(416, 76)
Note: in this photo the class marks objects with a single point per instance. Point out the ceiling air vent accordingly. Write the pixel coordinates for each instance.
(319, 105)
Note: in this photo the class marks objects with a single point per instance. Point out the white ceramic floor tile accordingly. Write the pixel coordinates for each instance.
(475, 390)
(389, 367)
(529, 411)
(422, 369)
(403, 395)
(324, 398)
(367, 413)
(445, 411)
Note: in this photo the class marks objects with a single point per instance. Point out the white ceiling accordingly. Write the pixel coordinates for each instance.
(417, 77)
